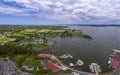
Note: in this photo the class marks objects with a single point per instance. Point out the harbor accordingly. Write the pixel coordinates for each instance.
(71, 64)
(94, 67)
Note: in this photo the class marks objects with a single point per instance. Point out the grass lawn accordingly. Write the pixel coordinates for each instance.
(34, 57)
(28, 31)
(44, 31)
(58, 31)
(78, 31)
(50, 43)
(18, 35)
(19, 59)
(55, 62)
(42, 45)
(32, 63)
(4, 40)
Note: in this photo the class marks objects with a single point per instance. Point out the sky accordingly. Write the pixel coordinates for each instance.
(59, 12)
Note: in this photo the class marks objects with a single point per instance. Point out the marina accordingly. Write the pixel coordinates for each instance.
(78, 62)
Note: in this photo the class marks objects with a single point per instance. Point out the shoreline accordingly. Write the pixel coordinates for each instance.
(62, 64)
(84, 72)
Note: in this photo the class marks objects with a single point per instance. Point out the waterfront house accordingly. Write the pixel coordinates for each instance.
(44, 55)
(29, 68)
(51, 66)
(115, 62)
(37, 41)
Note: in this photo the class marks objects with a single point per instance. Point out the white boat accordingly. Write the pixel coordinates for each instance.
(70, 55)
(79, 62)
(71, 64)
(64, 56)
(115, 51)
(109, 62)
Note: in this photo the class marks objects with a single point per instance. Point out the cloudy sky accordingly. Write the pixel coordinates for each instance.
(59, 11)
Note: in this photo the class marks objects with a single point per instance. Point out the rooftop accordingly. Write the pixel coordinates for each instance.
(44, 55)
(51, 66)
(115, 62)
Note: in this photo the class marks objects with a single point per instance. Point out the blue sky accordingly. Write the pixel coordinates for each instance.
(59, 12)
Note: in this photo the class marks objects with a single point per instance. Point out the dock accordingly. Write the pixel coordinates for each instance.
(70, 55)
(65, 56)
(94, 67)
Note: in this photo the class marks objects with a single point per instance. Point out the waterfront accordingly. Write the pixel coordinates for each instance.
(90, 51)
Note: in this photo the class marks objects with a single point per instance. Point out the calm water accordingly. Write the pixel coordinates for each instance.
(97, 50)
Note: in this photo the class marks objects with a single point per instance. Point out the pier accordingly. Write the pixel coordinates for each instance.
(95, 68)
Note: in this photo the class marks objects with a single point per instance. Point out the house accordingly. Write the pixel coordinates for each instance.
(114, 64)
(51, 66)
(12, 39)
(63, 68)
(44, 55)
(37, 41)
(30, 68)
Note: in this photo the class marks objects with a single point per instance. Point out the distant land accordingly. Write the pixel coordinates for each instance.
(93, 25)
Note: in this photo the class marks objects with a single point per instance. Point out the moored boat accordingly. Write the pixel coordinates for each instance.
(79, 62)
(70, 55)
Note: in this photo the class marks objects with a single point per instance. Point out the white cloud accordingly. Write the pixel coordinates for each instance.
(71, 10)
(11, 10)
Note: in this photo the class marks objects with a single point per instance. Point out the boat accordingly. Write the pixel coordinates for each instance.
(79, 62)
(115, 51)
(64, 56)
(111, 55)
(94, 67)
(71, 64)
(70, 55)
(109, 62)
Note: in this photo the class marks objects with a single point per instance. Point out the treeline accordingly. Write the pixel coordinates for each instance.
(12, 50)
(18, 28)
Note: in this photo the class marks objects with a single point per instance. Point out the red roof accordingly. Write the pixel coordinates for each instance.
(44, 55)
(115, 62)
(51, 66)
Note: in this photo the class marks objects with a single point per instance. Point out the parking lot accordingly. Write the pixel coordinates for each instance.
(6, 68)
